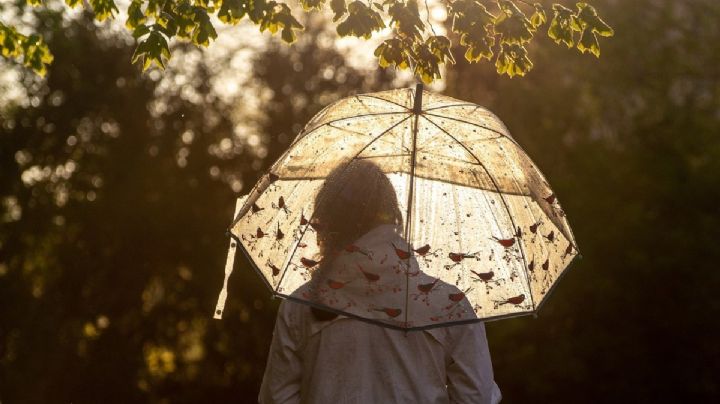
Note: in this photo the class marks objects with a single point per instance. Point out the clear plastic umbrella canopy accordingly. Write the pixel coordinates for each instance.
(408, 209)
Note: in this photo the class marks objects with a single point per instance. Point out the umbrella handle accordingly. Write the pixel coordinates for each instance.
(229, 264)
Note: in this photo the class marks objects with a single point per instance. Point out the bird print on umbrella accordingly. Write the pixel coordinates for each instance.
(480, 232)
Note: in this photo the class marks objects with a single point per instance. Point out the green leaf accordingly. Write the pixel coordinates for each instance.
(513, 60)
(153, 49)
(588, 18)
(232, 11)
(539, 17)
(440, 47)
(479, 43)
(405, 18)
(588, 42)
(339, 8)
(103, 9)
(563, 25)
(361, 21)
(312, 4)
(140, 31)
(9, 41)
(279, 17)
(474, 24)
(36, 54)
(180, 21)
(136, 16)
(427, 64)
(204, 30)
(32, 49)
(393, 52)
(155, 7)
(590, 25)
(512, 24)
(467, 13)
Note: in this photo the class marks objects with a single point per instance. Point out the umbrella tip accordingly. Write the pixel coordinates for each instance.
(417, 107)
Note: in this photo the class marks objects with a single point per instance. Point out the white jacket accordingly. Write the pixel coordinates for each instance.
(346, 361)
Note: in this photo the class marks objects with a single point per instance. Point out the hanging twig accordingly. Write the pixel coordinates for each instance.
(427, 18)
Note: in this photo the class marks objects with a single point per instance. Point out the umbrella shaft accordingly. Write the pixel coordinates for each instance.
(417, 106)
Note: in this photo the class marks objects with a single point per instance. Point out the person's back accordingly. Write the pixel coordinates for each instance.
(348, 361)
(322, 357)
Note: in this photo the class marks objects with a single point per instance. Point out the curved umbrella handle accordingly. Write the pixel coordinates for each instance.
(229, 262)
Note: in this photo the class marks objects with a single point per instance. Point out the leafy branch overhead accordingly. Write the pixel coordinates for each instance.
(496, 30)
(31, 49)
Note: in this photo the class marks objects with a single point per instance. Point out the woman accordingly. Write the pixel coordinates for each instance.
(320, 357)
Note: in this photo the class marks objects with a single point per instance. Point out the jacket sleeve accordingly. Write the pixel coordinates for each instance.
(469, 373)
(283, 372)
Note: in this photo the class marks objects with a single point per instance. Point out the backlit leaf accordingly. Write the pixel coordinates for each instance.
(361, 21)
(513, 60)
(539, 17)
(339, 8)
(103, 9)
(563, 26)
(406, 19)
(393, 52)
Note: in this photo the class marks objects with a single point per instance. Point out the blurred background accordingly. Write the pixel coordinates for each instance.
(116, 188)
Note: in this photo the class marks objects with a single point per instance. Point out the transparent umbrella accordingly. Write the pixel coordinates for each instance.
(408, 209)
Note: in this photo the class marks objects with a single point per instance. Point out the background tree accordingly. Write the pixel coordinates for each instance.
(496, 30)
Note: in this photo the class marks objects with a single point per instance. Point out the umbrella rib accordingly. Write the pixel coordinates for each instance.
(298, 177)
(476, 124)
(383, 99)
(502, 198)
(302, 234)
(429, 153)
(304, 135)
(382, 156)
(465, 104)
(544, 248)
(342, 119)
(330, 124)
(417, 110)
